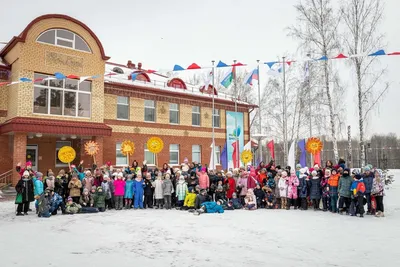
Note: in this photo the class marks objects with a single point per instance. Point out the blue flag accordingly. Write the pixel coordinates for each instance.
(303, 157)
(224, 158)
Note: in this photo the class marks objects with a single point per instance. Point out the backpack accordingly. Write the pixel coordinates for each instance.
(361, 187)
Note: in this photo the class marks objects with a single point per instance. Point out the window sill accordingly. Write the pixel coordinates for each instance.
(195, 125)
(119, 119)
(62, 116)
(174, 123)
(150, 121)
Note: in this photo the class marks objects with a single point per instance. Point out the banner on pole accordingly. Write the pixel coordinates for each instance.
(234, 132)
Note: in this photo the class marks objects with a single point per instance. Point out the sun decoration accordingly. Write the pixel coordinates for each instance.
(91, 148)
(246, 156)
(127, 148)
(314, 145)
(155, 145)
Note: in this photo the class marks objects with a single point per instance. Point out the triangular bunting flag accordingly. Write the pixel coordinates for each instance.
(59, 76)
(178, 68)
(289, 62)
(323, 58)
(221, 64)
(339, 56)
(378, 53)
(237, 64)
(38, 80)
(4, 83)
(394, 54)
(150, 71)
(71, 76)
(193, 66)
(270, 64)
(23, 79)
(134, 75)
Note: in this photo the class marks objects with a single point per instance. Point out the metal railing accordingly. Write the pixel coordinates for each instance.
(6, 179)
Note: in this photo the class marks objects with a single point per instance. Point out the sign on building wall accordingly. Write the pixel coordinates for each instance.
(63, 61)
(234, 132)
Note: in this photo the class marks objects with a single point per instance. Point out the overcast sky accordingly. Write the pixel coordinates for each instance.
(161, 33)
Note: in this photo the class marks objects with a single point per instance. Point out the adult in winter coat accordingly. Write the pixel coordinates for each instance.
(168, 189)
(75, 186)
(231, 185)
(24, 187)
(277, 191)
(138, 191)
(378, 191)
(148, 192)
(128, 191)
(315, 189)
(119, 187)
(293, 183)
(252, 179)
(158, 191)
(345, 182)
(181, 190)
(368, 178)
(303, 189)
(204, 180)
(88, 181)
(283, 188)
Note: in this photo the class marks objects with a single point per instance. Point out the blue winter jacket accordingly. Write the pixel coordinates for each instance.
(81, 175)
(302, 187)
(128, 189)
(138, 187)
(38, 187)
(213, 207)
(55, 200)
(368, 181)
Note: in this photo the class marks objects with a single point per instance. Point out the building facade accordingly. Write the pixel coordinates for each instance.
(37, 118)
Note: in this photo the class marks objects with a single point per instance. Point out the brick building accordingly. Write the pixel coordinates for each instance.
(38, 118)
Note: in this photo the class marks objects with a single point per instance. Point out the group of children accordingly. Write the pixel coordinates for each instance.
(197, 189)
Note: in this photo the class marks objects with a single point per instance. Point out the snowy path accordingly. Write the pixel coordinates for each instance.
(177, 238)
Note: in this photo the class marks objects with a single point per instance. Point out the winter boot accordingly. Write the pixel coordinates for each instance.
(20, 214)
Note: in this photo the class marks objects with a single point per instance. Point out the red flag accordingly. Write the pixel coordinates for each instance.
(234, 155)
(317, 159)
(271, 147)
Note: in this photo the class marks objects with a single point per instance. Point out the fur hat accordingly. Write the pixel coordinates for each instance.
(26, 173)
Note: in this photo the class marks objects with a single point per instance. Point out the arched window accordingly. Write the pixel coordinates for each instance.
(118, 70)
(177, 83)
(63, 38)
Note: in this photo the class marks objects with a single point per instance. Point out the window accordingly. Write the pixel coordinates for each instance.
(60, 144)
(149, 111)
(218, 154)
(65, 97)
(64, 38)
(123, 108)
(174, 113)
(148, 156)
(196, 116)
(216, 118)
(196, 153)
(121, 160)
(118, 70)
(173, 154)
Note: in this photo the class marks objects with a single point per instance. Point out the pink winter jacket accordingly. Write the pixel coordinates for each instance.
(119, 186)
(204, 181)
(293, 183)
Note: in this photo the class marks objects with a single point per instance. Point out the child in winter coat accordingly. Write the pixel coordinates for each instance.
(250, 200)
(271, 182)
(107, 191)
(303, 189)
(325, 189)
(75, 186)
(148, 192)
(293, 183)
(242, 186)
(220, 192)
(283, 188)
(269, 198)
(168, 189)
(204, 180)
(128, 191)
(236, 203)
(38, 188)
(333, 183)
(119, 193)
(277, 190)
(72, 207)
(358, 191)
(345, 182)
(86, 199)
(262, 177)
(88, 181)
(189, 200)
(231, 185)
(99, 199)
(158, 191)
(378, 191)
(315, 189)
(138, 191)
(210, 207)
(181, 190)
(260, 196)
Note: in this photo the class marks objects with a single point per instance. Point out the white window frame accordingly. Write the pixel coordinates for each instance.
(118, 144)
(63, 89)
(173, 150)
(154, 156)
(64, 39)
(196, 149)
(174, 110)
(199, 114)
(123, 104)
(65, 143)
(150, 107)
(218, 155)
(216, 114)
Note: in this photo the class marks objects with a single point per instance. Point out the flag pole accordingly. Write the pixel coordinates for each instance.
(309, 101)
(236, 110)
(259, 110)
(285, 145)
(213, 109)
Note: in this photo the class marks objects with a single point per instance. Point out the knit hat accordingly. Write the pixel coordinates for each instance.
(39, 175)
(342, 166)
(88, 172)
(26, 173)
(314, 173)
(120, 174)
(298, 166)
(302, 170)
(203, 169)
(357, 176)
(234, 195)
(367, 168)
(229, 174)
(220, 187)
(50, 174)
(69, 199)
(85, 190)
(284, 173)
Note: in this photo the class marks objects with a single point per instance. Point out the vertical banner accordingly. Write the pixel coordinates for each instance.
(234, 132)
(303, 156)
(271, 147)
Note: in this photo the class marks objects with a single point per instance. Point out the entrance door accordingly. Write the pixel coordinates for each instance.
(32, 156)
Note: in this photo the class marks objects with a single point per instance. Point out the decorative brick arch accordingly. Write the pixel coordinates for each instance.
(142, 76)
(24, 33)
(177, 83)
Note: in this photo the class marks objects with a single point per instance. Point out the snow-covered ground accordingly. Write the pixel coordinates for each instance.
(177, 238)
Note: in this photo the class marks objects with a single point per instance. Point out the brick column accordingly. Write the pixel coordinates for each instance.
(99, 156)
(19, 154)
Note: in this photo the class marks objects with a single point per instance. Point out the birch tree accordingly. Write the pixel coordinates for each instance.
(317, 32)
(361, 19)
